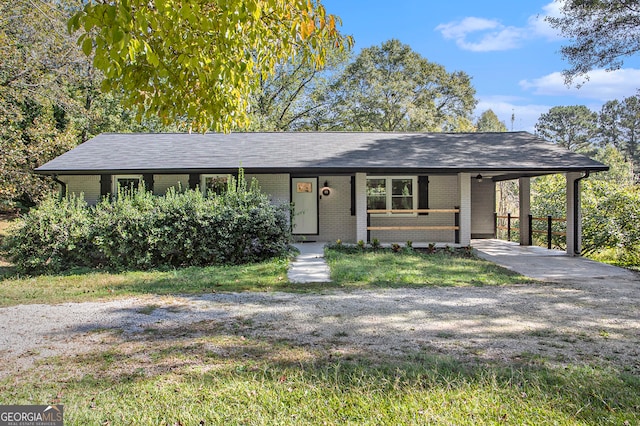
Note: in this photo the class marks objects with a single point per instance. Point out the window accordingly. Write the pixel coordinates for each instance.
(126, 183)
(391, 193)
(214, 184)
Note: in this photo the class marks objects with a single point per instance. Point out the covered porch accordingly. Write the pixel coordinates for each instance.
(465, 210)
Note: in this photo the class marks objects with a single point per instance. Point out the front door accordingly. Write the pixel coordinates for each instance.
(304, 196)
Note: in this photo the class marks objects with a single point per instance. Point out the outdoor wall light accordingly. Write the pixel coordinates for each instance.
(479, 178)
(326, 191)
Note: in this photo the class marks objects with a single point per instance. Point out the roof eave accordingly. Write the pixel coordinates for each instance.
(330, 170)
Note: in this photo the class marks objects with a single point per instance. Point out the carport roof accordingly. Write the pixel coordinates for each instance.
(518, 153)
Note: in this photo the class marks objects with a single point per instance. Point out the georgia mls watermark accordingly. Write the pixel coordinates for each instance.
(31, 415)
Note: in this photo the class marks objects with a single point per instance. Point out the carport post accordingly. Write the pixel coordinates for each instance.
(574, 215)
(361, 207)
(464, 192)
(525, 210)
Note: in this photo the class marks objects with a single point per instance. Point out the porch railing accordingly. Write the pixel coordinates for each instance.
(549, 232)
(455, 227)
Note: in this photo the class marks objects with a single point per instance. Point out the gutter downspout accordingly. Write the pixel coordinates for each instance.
(576, 211)
(63, 186)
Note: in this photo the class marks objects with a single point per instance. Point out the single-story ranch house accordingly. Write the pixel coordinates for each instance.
(423, 187)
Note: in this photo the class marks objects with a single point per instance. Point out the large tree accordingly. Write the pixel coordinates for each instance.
(198, 61)
(49, 96)
(393, 88)
(36, 55)
(602, 33)
(619, 126)
(489, 122)
(295, 97)
(572, 127)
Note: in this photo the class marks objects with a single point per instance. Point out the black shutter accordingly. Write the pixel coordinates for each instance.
(353, 195)
(148, 181)
(105, 185)
(194, 180)
(423, 193)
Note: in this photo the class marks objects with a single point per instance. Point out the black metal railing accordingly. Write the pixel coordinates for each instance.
(511, 225)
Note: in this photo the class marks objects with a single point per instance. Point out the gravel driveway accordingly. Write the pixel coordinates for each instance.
(593, 321)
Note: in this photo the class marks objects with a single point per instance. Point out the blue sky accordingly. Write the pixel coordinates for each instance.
(506, 47)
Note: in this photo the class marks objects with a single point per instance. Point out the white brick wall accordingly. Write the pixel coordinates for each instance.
(89, 185)
(443, 194)
(483, 205)
(161, 183)
(336, 221)
(276, 185)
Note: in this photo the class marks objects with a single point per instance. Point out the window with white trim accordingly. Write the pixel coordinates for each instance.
(214, 184)
(127, 183)
(392, 193)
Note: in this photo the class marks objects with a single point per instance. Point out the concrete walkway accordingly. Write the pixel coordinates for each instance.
(309, 266)
(531, 261)
(547, 265)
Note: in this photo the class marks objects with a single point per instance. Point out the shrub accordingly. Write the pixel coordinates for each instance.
(52, 237)
(139, 231)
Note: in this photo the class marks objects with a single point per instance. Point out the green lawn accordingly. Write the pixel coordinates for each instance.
(99, 285)
(213, 374)
(349, 271)
(384, 268)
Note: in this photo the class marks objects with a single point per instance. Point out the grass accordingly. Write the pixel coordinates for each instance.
(383, 268)
(99, 285)
(212, 373)
(616, 257)
(349, 271)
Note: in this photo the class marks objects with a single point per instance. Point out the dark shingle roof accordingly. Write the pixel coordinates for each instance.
(315, 152)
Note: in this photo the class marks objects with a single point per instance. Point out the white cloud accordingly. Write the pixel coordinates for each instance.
(486, 35)
(494, 35)
(540, 27)
(601, 85)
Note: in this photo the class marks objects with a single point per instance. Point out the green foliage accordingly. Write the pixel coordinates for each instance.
(599, 33)
(572, 127)
(619, 127)
(198, 61)
(392, 88)
(297, 96)
(610, 208)
(611, 211)
(52, 237)
(489, 122)
(49, 98)
(140, 231)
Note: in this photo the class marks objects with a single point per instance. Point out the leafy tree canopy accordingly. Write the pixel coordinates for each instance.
(572, 127)
(197, 61)
(489, 122)
(602, 33)
(392, 88)
(619, 126)
(297, 96)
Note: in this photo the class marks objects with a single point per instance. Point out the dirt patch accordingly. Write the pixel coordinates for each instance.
(594, 322)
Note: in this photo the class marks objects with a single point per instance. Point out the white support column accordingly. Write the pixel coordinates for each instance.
(525, 209)
(573, 237)
(361, 207)
(464, 191)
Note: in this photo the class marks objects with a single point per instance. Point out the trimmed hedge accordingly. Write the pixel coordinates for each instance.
(140, 231)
